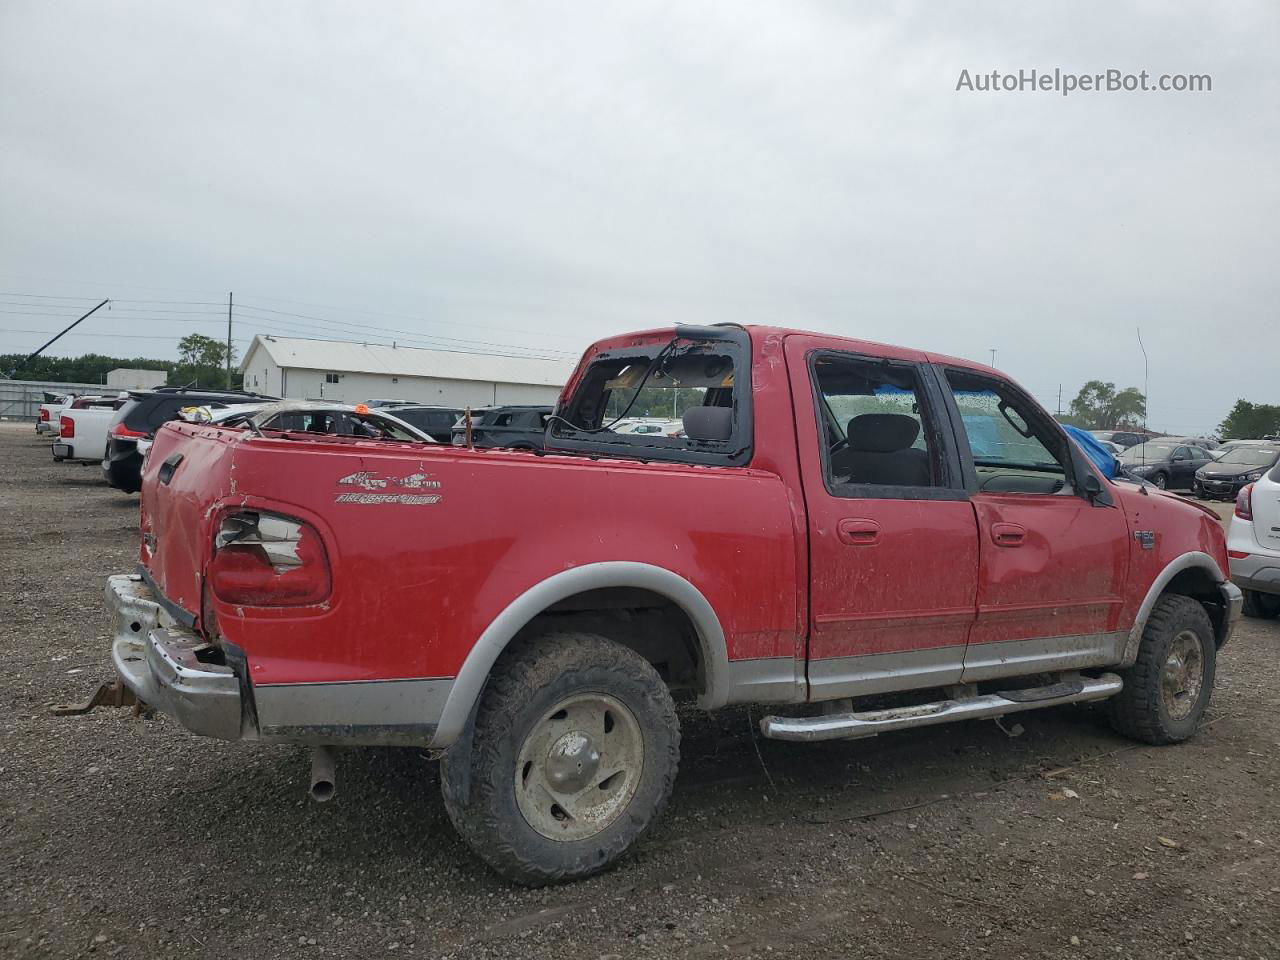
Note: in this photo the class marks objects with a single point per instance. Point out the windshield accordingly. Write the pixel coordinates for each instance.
(1147, 452)
(1251, 456)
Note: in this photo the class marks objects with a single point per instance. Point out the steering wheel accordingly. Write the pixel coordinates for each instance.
(839, 445)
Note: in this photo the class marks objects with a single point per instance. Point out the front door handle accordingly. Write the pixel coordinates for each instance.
(1008, 534)
(858, 532)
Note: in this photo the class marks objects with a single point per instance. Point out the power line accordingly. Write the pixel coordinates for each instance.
(365, 326)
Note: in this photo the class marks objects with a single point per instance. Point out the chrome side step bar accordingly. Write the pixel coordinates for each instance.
(852, 726)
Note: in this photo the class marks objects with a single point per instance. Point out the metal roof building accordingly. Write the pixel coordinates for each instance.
(350, 372)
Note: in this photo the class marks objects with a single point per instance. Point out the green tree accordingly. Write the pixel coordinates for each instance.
(197, 350)
(1250, 421)
(202, 363)
(1101, 407)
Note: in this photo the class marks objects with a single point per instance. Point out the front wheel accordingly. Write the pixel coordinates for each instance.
(1262, 606)
(570, 759)
(1167, 689)
(1160, 480)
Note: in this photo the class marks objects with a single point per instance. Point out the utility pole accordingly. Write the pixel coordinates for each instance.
(993, 356)
(230, 300)
(1059, 401)
(1146, 382)
(48, 343)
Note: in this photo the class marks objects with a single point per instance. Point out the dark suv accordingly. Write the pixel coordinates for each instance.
(143, 414)
(520, 428)
(436, 422)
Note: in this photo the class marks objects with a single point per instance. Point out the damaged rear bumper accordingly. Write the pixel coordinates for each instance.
(168, 666)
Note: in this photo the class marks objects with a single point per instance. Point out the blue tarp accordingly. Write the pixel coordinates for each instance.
(1103, 459)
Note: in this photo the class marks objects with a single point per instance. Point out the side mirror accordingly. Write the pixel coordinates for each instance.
(1092, 487)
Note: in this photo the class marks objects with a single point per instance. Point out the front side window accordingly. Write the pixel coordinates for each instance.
(1014, 449)
(875, 426)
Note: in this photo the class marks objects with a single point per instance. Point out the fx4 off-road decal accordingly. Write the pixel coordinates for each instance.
(373, 485)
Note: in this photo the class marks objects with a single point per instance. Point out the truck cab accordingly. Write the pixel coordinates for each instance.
(840, 520)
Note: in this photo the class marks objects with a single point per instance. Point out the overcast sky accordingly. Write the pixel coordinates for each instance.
(539, 175)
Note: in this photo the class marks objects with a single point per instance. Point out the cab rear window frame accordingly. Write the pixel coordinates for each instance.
(732, 341)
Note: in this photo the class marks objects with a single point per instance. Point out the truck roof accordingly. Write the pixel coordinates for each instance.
(760, 332)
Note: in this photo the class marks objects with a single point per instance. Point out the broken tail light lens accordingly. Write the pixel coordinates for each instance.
(120, 430)
(1244, 503)
(264, 559)
(66, 428)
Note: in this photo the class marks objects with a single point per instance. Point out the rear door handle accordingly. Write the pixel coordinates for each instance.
(858, 532)
(1008, 534)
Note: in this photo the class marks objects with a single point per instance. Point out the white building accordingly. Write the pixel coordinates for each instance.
(301, 369)
(129, 378)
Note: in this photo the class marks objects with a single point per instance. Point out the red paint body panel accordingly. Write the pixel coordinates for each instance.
(415, 585)
(1052, 566)
(887, 575)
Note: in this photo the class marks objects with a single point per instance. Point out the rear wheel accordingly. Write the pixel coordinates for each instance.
(1167, 690)
(570, 759)
(1263, 606)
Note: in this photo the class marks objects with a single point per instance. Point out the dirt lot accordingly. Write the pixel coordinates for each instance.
(132, 838)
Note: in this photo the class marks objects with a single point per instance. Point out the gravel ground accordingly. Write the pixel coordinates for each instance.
(124, 837)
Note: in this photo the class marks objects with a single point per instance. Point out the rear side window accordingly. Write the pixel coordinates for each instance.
(876, 427)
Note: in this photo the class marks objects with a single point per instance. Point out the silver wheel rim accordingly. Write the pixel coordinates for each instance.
(1159, 481)
(579, 767)
(1182, 676)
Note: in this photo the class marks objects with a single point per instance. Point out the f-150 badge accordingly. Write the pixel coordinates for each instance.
(373, 486)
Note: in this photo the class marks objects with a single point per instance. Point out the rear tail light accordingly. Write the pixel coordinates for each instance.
(120, 430)
(44, 415)
(1244, 502)
(66, 428)
(266, 560)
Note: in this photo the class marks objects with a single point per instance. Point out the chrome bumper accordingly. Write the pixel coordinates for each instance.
(158, 660)
(1233, 604)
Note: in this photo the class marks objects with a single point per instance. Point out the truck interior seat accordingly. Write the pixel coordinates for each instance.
(708, 423)
(880, 451)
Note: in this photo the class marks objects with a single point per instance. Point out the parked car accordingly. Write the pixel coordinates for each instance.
(1254, 545)
(1223, 477)
(1168, 465)
(47, 416)
(82, 429)
(437, 421)
(825, 533)
(145, 412)
(1122, 438)
(336, 419)
(520, 428)
(1204, 443)
(1230, 445)
(667, 428)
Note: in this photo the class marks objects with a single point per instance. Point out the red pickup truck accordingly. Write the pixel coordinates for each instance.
(862, 537)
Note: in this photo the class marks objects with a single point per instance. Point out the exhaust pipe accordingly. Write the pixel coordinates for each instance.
(323, 777)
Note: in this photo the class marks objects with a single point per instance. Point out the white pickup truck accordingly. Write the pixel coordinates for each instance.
(83, 427)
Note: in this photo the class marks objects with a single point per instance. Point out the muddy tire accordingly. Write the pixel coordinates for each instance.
(1262, 606)
(569, 759)
(1167, 690)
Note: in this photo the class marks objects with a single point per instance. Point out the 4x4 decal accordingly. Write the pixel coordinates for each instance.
(373, 483)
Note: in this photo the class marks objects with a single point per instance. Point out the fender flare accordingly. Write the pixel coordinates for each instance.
(470, 681)
(1187, 561)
